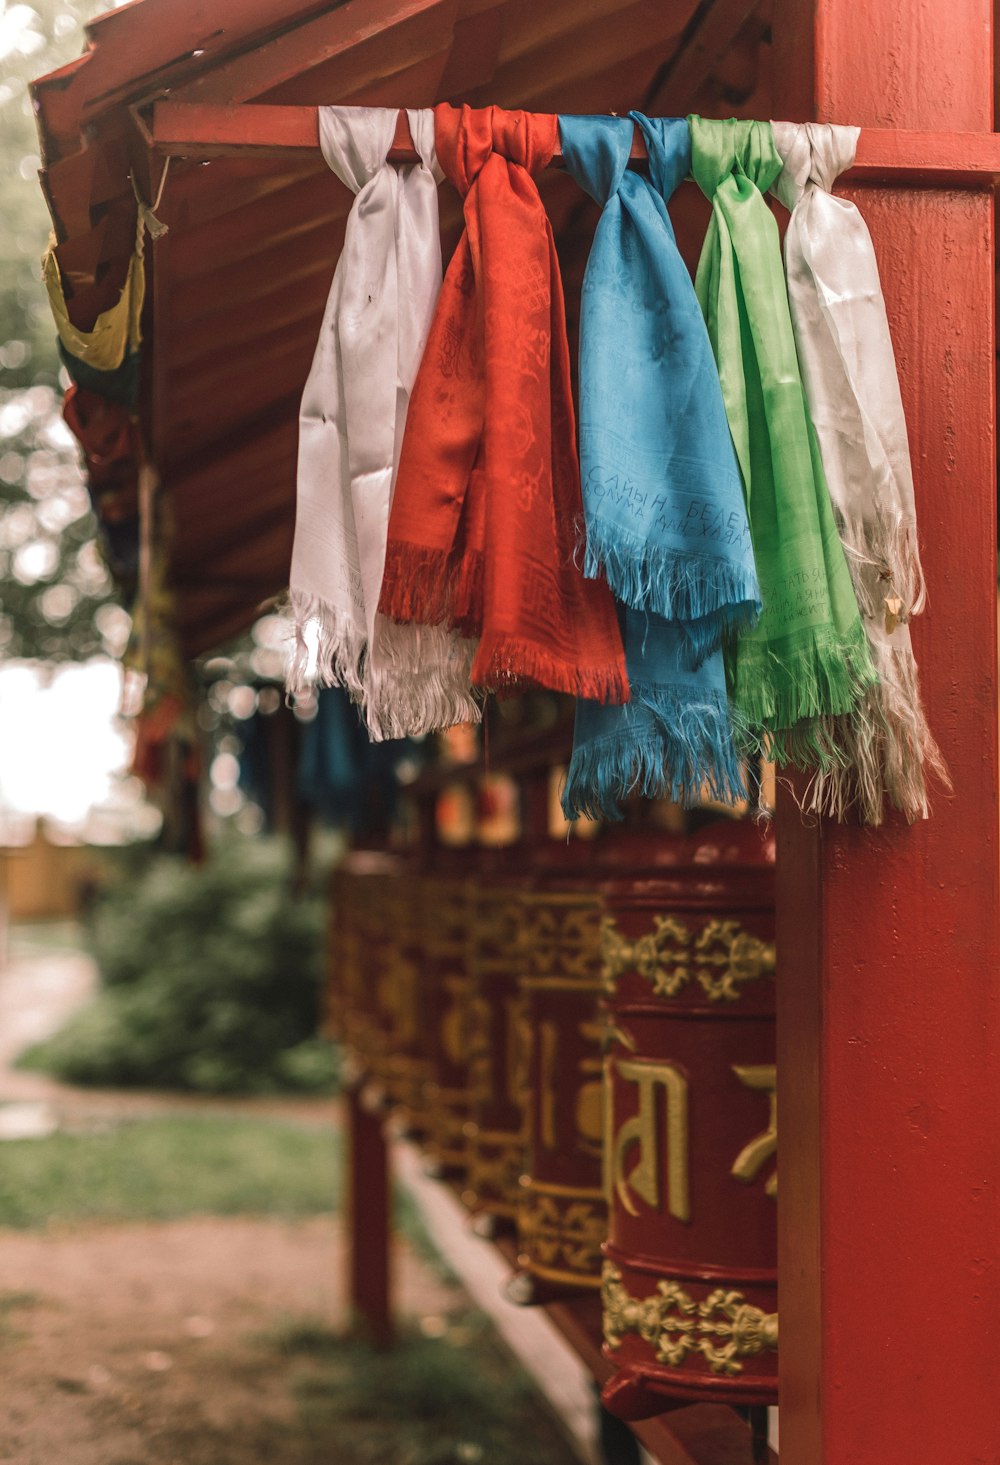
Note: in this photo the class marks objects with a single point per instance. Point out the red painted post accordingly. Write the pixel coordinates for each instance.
(368, 1215)
(889, 999)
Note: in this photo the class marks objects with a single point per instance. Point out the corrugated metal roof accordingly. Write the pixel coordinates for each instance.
(238, 284)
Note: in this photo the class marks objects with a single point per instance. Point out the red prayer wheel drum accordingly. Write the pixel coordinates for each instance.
(496, 1051)
(690, 1271)
(401, 1066)
(444, 1104)
(561, 1213)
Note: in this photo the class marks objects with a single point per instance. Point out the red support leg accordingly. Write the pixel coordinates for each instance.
(368, 1215)
(889, 941)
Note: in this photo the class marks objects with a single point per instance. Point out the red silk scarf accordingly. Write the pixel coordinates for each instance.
(487, 501)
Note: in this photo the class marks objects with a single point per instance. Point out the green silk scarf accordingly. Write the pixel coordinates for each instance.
(807, 661)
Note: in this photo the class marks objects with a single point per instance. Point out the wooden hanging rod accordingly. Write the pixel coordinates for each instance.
(201, 132)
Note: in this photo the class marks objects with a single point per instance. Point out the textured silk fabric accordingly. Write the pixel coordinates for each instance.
(673, 740)
(350, 427)
(663, 502)
(852, 390)
(116, 330)
(807, 661)
(484, 519)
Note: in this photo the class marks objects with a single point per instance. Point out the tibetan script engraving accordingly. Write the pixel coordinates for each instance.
(643, 1130)
(754, 1156)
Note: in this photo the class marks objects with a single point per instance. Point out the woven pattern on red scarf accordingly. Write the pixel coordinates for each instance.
(484, 517)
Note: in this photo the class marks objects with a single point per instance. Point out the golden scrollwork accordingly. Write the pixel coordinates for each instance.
(560, 939)
(722, 958)
(727, 957)
(494, 1166)
(660, 956)
(397, 995)
(563, 1232)
(497, 928)
(724, 1328)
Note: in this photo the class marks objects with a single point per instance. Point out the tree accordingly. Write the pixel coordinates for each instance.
(55, 593)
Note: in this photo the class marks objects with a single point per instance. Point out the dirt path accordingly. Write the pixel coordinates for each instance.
(157, 1344)
(167, 1344)
(187, 1342)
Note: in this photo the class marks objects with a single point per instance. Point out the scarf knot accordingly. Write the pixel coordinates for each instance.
(816, 153)
(668, 143)
(733, 150)
(468, 138)
(355, 147)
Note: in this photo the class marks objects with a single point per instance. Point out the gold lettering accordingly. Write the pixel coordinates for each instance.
(643, 1130)
(754, 1156)
(455, 1020)
(548, 1046)
(518, 1038)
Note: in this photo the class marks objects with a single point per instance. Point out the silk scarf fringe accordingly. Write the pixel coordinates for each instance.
(888, 748)
(340, 647)
(665, 745)
(796, 699)
(712, 600)
(419, 680)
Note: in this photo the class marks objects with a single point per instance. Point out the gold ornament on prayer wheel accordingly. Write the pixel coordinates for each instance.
(690, 1135)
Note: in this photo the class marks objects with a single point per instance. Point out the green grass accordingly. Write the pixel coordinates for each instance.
(427, 1401)
(165, 1168)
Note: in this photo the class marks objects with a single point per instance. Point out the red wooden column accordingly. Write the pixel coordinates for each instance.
(368, 1215)
(889, 1004)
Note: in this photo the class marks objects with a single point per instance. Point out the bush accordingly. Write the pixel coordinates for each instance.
(211, 981)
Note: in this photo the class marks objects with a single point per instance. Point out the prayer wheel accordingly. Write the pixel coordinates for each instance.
(361, 951)
(443, 1103)
(494, 1131)
(561, 1212)
(401, 1066)
(690, 1133)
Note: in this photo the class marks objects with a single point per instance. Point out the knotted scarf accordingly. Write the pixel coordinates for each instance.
(116, 331)
(487, 503)
(407, 680)
(807, 661)
(662, 497)
(663, 503)
(852, 389)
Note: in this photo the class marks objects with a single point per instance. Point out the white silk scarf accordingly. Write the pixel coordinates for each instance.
(852, 389)
(408, 680)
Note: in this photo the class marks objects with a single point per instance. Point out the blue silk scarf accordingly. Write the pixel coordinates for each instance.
(664, 510)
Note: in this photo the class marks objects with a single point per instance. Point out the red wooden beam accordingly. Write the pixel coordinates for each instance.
(888, 1000)
(196, 131)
